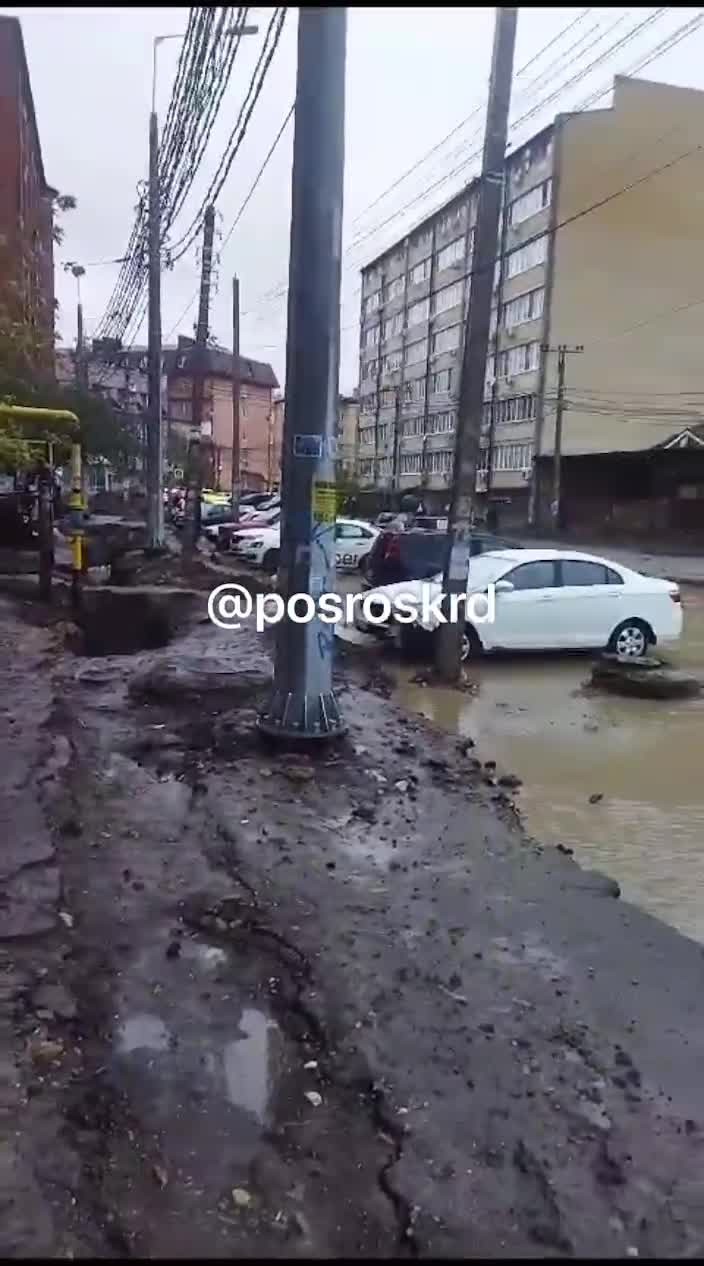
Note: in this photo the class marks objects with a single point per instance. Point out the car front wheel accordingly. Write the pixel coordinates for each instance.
(630, 639)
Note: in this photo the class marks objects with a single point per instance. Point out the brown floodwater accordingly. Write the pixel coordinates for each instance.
(644, 758)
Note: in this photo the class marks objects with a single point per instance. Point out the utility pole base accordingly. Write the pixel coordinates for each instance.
(302, 716)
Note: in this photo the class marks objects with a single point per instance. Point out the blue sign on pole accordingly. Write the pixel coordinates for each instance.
(308, 446)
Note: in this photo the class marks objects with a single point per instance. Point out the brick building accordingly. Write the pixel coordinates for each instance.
(26, 200)
(260, 436)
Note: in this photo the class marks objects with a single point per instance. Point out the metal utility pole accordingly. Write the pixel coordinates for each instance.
(236, 483)
(80, 348)
(476, 342)
(155, 456)
(563, 351)
(198, 367)
(302, 704)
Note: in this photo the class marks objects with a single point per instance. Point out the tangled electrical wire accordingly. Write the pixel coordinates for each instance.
(210, 45)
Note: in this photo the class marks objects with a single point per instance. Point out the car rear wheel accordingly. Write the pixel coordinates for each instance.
(631, 639)
(270, 561)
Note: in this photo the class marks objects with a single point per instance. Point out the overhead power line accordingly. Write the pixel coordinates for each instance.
(240, 213)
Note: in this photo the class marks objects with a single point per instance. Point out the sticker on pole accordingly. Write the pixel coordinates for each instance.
(324, 502)
(308, 446)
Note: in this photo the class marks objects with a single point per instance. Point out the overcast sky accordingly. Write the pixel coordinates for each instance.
(413, 75)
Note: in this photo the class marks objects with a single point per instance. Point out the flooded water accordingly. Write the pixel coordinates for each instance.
(643, 758)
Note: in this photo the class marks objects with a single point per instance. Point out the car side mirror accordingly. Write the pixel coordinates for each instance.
(504, 586)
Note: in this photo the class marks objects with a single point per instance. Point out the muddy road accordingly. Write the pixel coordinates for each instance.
(282, 1006)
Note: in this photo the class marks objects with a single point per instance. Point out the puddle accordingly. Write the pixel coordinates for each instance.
(247, 1063)
(143, 1033)
(641, 757)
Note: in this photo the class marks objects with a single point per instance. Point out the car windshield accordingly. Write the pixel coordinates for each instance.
(487, 567)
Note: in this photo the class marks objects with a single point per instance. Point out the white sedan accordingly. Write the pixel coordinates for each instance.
(543, 600)
(353, 542)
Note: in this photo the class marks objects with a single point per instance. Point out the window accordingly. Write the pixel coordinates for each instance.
(348, 532)
(423, 240)
(382, 434)
(395, 288)
(371, 281)
(446, 340)
(511, 409)
(451, 219)
(528, 256)
(392, 362)
(576, 572)
(539, 575)
(447, 298)
(414, 390)
(526, 307)
(371, 337)
(372, 303)
(420, 272)
(441, 423)
(418, 312)
(412, 426)
(370, 369)
(411, 463)
(451, 255)
(518, 360)
(387, 397)
(416, 352)
(530, 203)
(392, 326)
(514, 457)
(439, 462)
(441, 382)
(366, 434)
(384, 466)
(366, 467)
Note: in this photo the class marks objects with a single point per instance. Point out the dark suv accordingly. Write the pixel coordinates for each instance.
(418, 555)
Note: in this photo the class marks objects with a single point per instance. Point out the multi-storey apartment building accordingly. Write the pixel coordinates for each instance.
(260, 444)
(600, 227)
(26, 202)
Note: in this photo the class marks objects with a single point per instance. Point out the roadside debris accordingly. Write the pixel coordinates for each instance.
(314, 1098)
(241, 1198)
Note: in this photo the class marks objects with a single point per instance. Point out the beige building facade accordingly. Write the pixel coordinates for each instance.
(601, 231)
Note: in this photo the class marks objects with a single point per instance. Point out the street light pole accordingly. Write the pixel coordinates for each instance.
(155, 506)
(302, 704)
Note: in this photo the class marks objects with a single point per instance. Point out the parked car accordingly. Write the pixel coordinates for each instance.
(552, 600)
(353, 541)
(418, 555)
(260, 548)
(223, 532)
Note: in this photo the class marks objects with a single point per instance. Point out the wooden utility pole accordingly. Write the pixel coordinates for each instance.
(499, 316)
(235, 478)
(476, 344)
(198, 368)
(563, 351)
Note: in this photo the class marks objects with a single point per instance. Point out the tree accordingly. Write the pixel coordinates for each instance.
(62, 202)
